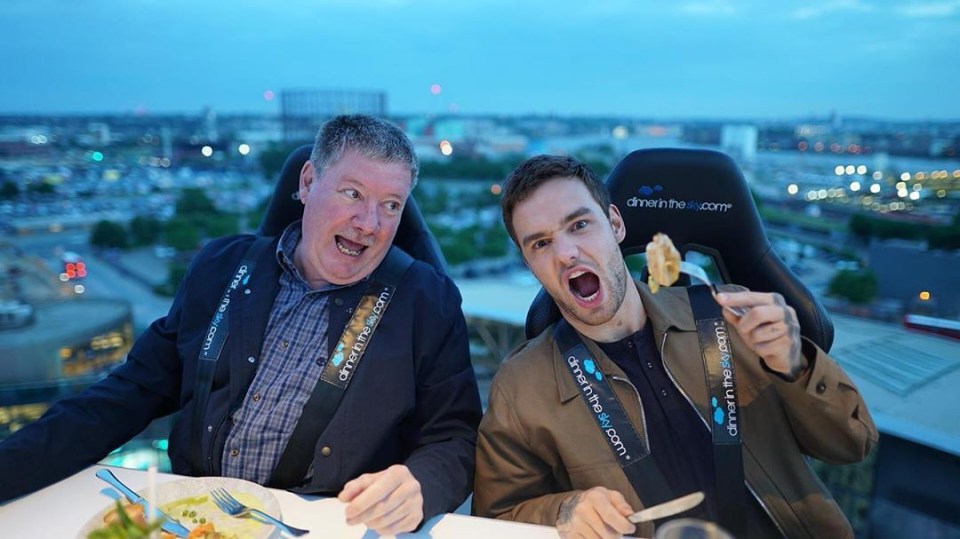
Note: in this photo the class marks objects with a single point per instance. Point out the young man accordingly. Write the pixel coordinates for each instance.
(256, 336)
(552, 450)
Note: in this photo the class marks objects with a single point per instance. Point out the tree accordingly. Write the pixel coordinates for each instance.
(145, 230)
(273, 158)
(859, 287)
(194, 201)
(109, 235)
(181, 234)
(9, 190)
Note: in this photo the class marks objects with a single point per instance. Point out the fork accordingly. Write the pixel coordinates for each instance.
(697, 272)
(231, 506)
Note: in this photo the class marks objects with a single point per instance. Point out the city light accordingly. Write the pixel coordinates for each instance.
(924, 296)
(268, 95)
(915, 195)
(244, 149)
(905, 176)
(862, 169)
(445, 147)
(207, 151)
(839, 170)
(850, 169)
(793, 188)
(620, 132)
(97, 156)
(920, 176)
(822, 194)
(901, 185)
(875, 188)
(811, 195)
(854, 186)
(901, 193)
(917, 186)
(495, 189)
(435, 89)
(941, 193)
(956, 173)
(877, 175)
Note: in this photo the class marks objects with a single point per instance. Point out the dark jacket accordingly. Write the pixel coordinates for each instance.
(413, 399)
(539, 443)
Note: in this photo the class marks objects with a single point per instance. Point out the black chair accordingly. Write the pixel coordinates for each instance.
(413, 236)
(701, 200)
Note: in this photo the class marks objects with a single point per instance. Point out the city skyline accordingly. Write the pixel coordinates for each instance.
(699, 59)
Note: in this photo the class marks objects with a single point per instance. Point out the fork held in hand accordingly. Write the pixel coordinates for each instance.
(696, 271)
(231, 506)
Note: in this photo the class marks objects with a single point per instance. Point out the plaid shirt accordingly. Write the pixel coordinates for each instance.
(294, 353)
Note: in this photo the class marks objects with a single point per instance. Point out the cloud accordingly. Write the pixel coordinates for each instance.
(929, 9)
(709, 8)
(815, 11)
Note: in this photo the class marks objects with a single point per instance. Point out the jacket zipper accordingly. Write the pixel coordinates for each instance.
(663, 344)
(643, 415)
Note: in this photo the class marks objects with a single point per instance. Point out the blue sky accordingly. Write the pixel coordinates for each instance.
(681, 59)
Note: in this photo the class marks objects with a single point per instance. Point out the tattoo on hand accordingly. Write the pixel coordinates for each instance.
(793, 330)
(566, 509)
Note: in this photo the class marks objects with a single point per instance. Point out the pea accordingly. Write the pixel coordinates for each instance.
(203, 520)
(186, 513)
(193, 513)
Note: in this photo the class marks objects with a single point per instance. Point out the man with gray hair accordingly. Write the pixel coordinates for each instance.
(266, 335)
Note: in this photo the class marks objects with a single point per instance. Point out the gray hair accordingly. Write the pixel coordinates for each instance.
(371, 137)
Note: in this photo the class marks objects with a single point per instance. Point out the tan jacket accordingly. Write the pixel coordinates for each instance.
(538, 442)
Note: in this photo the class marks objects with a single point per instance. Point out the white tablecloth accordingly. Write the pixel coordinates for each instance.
(60, 510)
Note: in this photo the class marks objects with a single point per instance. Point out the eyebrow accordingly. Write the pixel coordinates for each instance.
(575, 214)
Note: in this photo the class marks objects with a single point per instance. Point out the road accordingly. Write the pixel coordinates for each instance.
(102, 281)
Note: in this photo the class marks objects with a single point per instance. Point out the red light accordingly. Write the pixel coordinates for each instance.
(71, 267)
(72, 273)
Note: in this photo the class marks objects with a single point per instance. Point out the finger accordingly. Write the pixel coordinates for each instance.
(376, 492)
(758, 316)
(405, 521)
(744, 299)
(596, 524)
(776, 353)
(769, 332)
(377, 510)
(620, 503)
(355, 487)
(613, 520)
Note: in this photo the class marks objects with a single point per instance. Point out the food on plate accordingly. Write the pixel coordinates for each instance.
(125, 521)
(663, 262)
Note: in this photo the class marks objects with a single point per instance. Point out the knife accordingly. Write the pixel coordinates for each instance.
(170, 525)
(667, 509)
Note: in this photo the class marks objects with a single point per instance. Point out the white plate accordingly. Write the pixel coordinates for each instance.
(175, 497)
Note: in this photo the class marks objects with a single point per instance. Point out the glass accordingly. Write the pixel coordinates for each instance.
(690, 528)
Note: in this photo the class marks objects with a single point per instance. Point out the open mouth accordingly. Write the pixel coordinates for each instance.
(348, 247)
(585, 285)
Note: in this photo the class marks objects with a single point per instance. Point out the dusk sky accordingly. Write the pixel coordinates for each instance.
(750, 59)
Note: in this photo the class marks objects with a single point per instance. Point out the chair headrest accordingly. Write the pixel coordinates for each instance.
(413, 236)
(701, 200)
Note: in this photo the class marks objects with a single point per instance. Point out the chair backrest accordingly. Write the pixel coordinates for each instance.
(701, 200)
(413, 236)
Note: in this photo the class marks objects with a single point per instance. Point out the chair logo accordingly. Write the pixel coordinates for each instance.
(591, 368)
(646, 190)
(650, 197)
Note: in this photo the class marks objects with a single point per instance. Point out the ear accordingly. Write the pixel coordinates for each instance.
(306, 180)
(616, 222)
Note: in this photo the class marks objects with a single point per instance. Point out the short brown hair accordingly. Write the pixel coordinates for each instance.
(534, 172)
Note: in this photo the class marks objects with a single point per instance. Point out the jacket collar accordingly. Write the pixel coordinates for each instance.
(668, 309)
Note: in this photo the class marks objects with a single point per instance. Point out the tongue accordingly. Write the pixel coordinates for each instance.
(585, 285)
(350, 245)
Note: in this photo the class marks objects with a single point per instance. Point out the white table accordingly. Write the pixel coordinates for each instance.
(60, 510)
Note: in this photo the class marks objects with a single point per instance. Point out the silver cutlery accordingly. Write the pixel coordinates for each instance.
(231, 506)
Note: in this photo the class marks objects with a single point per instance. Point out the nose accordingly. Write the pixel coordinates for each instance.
(367, 220)
(566, 250)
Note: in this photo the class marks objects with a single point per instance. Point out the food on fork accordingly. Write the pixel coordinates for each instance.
(663, 262)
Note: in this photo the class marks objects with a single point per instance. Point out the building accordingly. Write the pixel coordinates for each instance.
(302, 111)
